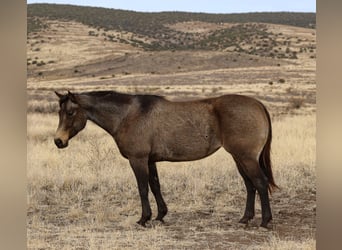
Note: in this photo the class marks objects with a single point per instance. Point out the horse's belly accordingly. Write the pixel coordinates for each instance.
(188, 135)
(187, 150)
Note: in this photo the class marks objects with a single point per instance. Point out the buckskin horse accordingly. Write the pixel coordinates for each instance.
(149, 128)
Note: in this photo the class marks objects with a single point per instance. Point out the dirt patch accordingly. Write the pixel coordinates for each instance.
(198, 27)
(151, 63)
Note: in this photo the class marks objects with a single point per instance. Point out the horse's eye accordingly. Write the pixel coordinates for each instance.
(70, 112)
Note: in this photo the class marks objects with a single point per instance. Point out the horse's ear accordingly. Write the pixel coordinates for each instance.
(72, 97)
(58, 94)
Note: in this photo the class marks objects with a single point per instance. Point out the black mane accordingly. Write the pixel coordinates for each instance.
(110, 96)
(146, 101)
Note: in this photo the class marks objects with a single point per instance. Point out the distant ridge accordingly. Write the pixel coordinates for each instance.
(157, 32)
(146, 23)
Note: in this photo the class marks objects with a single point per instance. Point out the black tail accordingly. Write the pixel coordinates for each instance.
(265, 156)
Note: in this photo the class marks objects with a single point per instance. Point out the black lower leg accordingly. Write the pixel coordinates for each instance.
(255, 180)
(155, 188)
(250, 202)
(146, 210)
(265, 207)
(141, 172)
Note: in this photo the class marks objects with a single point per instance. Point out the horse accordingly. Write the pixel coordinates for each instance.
(149, 128)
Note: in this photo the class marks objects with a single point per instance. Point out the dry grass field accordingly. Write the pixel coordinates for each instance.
(85, 196)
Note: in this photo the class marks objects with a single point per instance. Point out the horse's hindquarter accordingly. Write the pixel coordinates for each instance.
(243, 123)
(184, 131)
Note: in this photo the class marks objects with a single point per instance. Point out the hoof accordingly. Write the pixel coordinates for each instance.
(155, 223)
(142, 222)
(161, 215)
(245, 219)
(266, 226)
(159, 219)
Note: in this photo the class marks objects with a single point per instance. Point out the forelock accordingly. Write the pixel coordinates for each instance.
(63, 99)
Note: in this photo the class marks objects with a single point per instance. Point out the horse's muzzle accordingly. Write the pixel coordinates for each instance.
(59, 143)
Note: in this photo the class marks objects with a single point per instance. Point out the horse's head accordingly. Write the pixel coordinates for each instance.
(72, 119)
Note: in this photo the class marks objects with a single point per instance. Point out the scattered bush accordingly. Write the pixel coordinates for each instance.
(41, 63)
(296, 102)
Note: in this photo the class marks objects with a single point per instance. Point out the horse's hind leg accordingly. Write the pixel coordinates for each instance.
(252, 170)
(250, 203)
(155, 188)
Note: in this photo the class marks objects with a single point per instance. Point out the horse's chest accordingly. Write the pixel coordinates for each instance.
(133, 142)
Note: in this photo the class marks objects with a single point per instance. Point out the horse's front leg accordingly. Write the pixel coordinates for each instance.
(155, 188)
(140, 169)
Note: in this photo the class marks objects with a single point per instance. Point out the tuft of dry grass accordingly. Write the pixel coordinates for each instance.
(276, 243)
(294, 152)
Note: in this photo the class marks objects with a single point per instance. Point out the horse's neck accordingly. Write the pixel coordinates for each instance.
(106, 115)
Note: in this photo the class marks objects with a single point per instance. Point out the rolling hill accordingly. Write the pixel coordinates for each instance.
(153, 31)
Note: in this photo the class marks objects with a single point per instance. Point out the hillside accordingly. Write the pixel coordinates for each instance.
(53, 30)
(153, 31)
(146, 23)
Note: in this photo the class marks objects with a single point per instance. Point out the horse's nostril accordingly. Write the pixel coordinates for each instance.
(58, 143)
